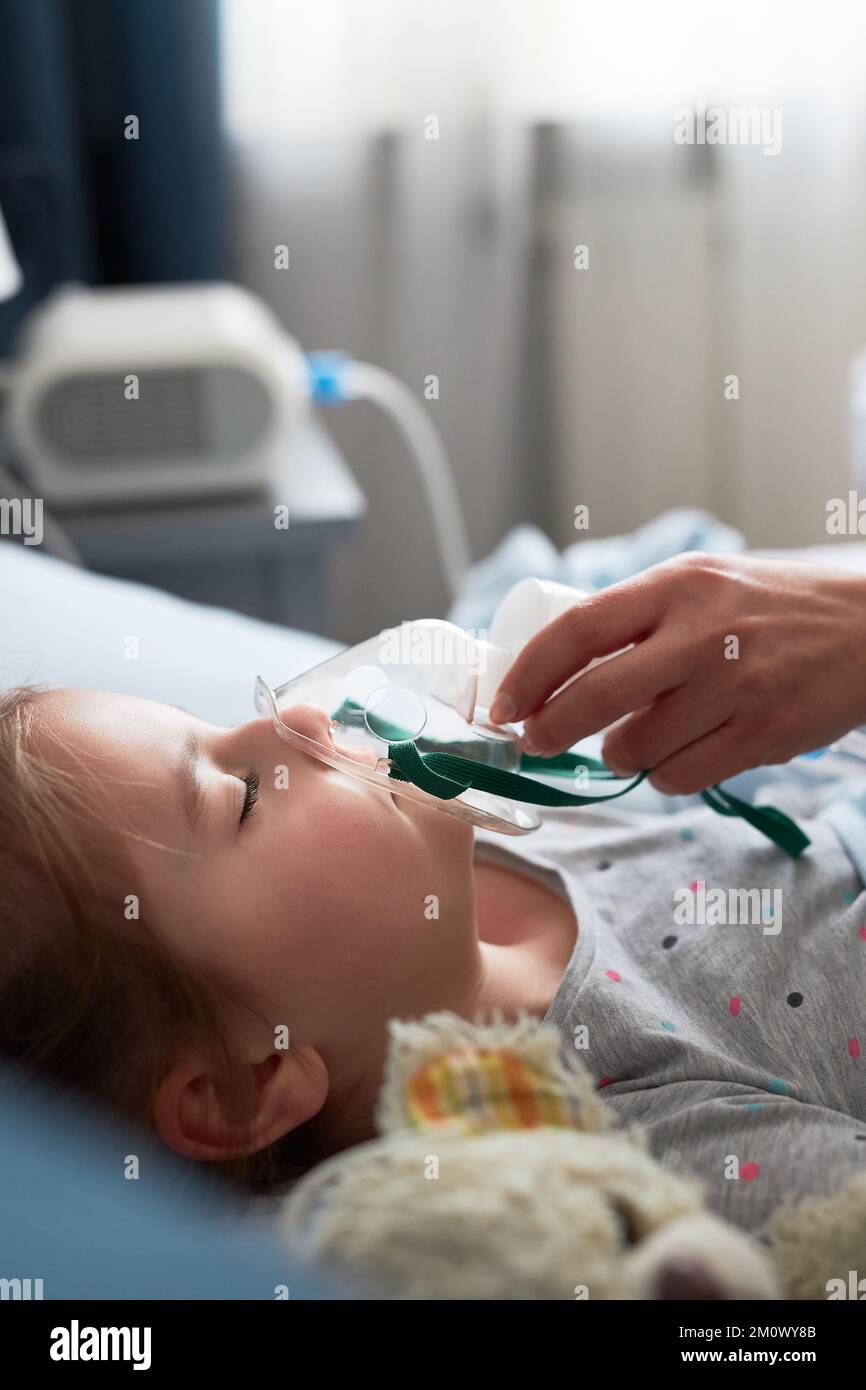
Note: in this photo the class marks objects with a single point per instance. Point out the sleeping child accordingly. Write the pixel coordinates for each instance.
(215, 947)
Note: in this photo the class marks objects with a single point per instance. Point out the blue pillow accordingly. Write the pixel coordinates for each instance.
(71, 1219)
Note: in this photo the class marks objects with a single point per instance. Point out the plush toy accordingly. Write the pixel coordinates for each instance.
(500, 1174)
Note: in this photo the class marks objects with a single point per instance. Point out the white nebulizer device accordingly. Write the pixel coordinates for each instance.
(409, 712)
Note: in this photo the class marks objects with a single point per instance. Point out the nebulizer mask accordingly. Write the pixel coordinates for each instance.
(408, 711)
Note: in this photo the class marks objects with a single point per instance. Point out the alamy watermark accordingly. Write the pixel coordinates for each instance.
(435, 644)
(846, 516)
(77, 1343)
(738, 125)
(714, 907)
(22, 516)
(21, 1289)
(853, 1287)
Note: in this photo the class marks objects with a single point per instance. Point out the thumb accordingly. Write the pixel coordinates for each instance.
(594, 627)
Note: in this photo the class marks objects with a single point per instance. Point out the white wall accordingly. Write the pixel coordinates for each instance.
(749, 265)
(454, 256)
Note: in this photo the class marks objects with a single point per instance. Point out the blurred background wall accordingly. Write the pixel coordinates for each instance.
(602, 386)
(310, 125)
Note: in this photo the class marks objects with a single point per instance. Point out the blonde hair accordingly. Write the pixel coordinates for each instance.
(87, 998)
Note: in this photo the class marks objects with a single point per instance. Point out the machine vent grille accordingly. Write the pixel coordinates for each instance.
(189, 413)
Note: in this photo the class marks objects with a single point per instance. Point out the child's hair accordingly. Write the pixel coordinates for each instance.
(88, 998)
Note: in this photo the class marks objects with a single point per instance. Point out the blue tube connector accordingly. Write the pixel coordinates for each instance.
(328, 372)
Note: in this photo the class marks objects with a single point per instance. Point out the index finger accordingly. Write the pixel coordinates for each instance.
(593, 627)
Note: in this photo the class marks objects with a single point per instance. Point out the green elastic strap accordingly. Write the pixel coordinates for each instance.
(447, 775)
(771, 822)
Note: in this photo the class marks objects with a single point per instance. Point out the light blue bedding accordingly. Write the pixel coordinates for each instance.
(65, 626)
(595, 564)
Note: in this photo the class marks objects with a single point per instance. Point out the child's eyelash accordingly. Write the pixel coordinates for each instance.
(252, 784)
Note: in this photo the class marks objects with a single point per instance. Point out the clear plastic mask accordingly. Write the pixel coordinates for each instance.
(427, 681)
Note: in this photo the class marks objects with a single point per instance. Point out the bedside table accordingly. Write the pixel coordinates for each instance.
(227, 551)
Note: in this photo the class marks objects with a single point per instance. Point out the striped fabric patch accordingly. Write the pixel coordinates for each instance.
(481, 1089)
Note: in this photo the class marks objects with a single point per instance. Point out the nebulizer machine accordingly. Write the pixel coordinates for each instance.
(409, 712)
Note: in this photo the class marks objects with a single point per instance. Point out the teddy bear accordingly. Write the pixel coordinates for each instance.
(500, 1173)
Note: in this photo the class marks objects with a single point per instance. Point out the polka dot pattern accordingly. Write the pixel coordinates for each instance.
(793, 998)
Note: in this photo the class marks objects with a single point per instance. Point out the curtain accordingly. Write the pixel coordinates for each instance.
(81, 200)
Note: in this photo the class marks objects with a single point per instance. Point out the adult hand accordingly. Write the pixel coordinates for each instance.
(735, 662)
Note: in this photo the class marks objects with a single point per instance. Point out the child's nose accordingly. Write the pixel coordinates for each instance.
(313, 722)
(310, 720)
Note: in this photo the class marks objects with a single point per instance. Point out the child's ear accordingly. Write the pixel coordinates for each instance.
(192, 1116)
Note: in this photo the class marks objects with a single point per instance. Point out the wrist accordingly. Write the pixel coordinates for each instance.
(850, 588)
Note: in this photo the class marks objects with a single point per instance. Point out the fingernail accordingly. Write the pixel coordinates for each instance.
(532, 744)
(617, 769)
(503, 709)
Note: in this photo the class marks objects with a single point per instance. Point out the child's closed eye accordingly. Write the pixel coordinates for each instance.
(251, 781)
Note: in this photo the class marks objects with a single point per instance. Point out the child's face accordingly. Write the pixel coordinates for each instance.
(320, 897)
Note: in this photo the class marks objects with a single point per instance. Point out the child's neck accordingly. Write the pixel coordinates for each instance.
(527, 934)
